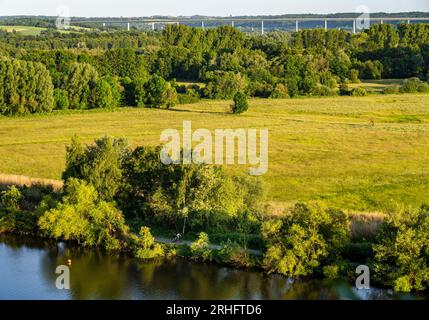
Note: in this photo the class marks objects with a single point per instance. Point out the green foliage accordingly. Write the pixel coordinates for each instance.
(200, 248)
(224, 84)
(307, 240)
(402, 251)
(83, 217)
(79, 82)
(280, 92)
(359, 92)
(240, 103)
(61, 99)
(11, 199)
(100, 164)
(414, 85)
(25, 87)
(145, 246)
(158, 93)
(232, 253)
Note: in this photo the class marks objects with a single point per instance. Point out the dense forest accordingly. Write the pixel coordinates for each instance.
(112, 69)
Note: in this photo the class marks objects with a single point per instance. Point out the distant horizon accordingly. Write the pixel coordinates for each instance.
(216, 8)
(216, 16)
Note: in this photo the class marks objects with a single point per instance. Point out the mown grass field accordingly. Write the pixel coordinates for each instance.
(35, 31)
(363, 154)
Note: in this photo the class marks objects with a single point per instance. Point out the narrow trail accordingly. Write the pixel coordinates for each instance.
(188, 243)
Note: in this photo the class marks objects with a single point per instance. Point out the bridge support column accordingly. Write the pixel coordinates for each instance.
(128, 26)
(354, 26)
(326, 25)
(232, 24)
(153, 26)
(262, 27)
(296, 25)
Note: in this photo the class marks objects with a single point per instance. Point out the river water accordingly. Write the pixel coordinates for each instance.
(27, 271)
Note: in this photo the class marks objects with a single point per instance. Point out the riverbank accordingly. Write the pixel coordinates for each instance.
(28, 268)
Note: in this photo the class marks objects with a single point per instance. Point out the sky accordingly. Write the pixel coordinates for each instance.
(137, 8)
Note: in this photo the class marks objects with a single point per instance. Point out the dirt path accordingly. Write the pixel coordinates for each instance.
(187, 243)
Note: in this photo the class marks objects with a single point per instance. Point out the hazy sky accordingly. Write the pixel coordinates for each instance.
(203, 7)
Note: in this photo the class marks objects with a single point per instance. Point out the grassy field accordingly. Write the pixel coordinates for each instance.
(376, 86)
(363, 154)
(34, 31)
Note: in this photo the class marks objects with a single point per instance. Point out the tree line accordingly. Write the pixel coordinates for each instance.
(141, 69)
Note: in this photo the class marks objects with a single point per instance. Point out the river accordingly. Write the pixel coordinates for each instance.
(27, 271)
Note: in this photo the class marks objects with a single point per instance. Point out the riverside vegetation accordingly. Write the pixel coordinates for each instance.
(115, 195)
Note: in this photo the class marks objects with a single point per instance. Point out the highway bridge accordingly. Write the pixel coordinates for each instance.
(255, 24)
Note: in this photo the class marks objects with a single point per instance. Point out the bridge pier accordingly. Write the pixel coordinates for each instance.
(128, 26)
(354, 26)
(297, 25)
(326, 25)
(262, 27)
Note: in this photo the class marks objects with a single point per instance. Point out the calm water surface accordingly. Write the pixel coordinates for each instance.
(27, 271)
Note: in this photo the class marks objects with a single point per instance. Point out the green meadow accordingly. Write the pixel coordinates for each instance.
(359, 154)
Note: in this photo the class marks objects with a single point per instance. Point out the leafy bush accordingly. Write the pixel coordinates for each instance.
(200, 248)
(402, 251)
(359, 92)
(240, 103)
(280, 92)
(310, 238)
(159, 93)
(11, 199)
(145, 246)
(99, 164)
(224, 84)
(394, 89)
(232, 253)
(83, 217)
(414, 85)
(61, 99)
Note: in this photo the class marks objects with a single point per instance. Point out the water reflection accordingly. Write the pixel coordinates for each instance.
(27, 271)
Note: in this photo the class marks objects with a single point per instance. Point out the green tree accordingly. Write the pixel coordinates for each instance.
(308, 239)
(402, 251)
(200, 248)
(240, 103)
(83, 217)
(11, 198)
(99, 164)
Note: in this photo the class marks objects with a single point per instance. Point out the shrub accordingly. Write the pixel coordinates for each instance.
(200, 248)
(414, 85)
(393, 89)
(280, 92)
(232, 253)
(324, 91)
(98, 164)
(83, 217)
(11, 198)
(354, 76)
(224, 84)
(159, 93)
(310, 238)
(240, 103)
(61, 99)
(145, 246)
(402, 251)
(359, 92)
